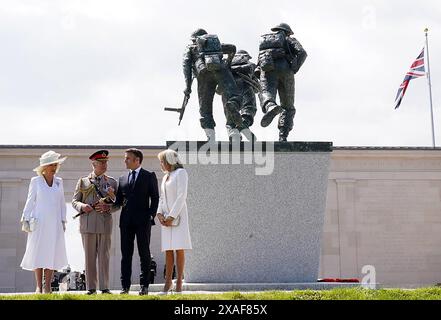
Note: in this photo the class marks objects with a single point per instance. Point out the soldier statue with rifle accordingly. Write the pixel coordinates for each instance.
(203, 60)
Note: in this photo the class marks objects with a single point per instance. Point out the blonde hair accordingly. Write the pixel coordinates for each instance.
(40, 170)
(171, 158)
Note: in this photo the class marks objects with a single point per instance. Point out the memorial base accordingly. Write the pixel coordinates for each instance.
(255, 221)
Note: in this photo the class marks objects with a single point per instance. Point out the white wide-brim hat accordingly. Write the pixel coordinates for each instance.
(48, 158)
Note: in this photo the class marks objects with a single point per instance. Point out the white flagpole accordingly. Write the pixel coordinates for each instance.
(430, 86)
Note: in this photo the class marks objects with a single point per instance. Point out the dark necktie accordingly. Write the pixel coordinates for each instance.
(98, 183)
(132, 180)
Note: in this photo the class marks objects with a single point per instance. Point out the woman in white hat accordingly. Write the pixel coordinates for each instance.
(44, 219)
(173, 216)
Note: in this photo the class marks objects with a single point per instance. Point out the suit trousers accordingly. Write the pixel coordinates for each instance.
(97, 245)
(142, 234)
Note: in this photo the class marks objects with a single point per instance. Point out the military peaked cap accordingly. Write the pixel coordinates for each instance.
(101, 155)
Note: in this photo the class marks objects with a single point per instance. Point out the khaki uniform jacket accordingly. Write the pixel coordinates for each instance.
(85, 193)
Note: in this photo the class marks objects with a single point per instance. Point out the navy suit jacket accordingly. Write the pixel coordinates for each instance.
(139, 204)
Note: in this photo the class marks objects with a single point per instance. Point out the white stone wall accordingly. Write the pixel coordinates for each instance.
(383, 209)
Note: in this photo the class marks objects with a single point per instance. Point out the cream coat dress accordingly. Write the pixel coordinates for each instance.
(173, 202)
(45, 247)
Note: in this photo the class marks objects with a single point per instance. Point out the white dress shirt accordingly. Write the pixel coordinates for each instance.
(136, 174)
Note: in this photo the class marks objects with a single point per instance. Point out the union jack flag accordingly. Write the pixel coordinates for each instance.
(416, 71)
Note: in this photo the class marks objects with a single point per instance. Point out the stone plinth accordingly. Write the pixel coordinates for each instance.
(251, 224)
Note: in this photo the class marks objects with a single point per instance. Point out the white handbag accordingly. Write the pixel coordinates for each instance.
(33, 224)
(29, 226)
(25, 226)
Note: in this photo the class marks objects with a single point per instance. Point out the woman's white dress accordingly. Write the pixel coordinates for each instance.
(173, 202)
(45, 247)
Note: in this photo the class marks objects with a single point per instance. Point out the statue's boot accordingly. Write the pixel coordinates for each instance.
(211, 134)
(286, 123)
(235, 138)
(248, 134)
(245, 129)
(234, 114)
(234, 135)
(283, 136)
(269, 116)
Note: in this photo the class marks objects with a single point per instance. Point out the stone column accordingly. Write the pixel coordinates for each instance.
(347, 228)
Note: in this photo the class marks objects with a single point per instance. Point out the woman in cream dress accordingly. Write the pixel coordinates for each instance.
(173, 216)
(44, 219)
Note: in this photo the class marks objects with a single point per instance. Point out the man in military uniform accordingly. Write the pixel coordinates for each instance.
(91, 199)
(243, 71)
(280, 57)
(203, 58)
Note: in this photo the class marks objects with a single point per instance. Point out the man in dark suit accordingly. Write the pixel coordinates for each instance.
(138, 195)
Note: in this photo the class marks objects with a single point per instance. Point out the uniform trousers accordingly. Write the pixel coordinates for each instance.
(97, 245)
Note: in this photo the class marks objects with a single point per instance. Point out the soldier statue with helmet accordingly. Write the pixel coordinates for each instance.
(243, 70)
(280, 57)
(203, 59)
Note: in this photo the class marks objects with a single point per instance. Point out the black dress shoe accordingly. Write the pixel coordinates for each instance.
(144, 291)
(91, 291)
(106, 291)
(125, 291)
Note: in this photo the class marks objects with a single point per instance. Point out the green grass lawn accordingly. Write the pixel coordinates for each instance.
(431, 293)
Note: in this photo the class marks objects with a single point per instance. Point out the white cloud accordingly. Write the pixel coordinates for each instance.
(24, 8)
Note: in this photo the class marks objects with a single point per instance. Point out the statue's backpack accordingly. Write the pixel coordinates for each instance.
(210, 49)
(272, 41)
(271, 46)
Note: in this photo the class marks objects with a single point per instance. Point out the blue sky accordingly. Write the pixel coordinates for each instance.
(101, 72)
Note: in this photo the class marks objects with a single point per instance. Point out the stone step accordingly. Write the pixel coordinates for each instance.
(225, 287)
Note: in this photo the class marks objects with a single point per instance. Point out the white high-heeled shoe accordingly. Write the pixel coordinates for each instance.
(169, 291)
(182, 288)
(47, 291)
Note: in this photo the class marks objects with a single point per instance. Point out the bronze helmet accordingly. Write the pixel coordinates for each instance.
(244, 53)
(283, 26)
(197, 33)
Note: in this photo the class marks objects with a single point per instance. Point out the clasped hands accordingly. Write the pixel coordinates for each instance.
(166, 222)
(100, 207)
